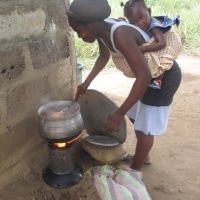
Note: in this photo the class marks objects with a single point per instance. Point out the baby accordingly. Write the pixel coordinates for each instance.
(165, 45)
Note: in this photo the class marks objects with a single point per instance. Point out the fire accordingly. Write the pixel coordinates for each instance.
(60, 145)
(64, 144)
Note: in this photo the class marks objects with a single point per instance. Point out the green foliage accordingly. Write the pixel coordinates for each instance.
(189, 28)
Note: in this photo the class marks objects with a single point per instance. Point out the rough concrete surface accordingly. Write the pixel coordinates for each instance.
(38, 65)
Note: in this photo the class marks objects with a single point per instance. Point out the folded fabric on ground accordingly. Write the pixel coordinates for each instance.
(118, 183)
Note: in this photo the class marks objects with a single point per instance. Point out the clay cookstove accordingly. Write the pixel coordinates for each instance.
(61, 131)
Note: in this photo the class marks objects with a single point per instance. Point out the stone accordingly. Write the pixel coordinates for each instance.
(104, 155)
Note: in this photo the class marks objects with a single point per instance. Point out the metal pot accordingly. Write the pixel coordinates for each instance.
(65, 127)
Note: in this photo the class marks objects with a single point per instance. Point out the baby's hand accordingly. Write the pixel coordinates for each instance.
(122, 18)
(143, 49)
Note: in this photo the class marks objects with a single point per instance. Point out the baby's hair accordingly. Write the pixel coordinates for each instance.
(125, 4)
(134, 1)
(131, 2)
(122, 4)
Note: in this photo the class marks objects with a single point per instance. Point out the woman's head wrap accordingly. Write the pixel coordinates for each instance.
(89, 10)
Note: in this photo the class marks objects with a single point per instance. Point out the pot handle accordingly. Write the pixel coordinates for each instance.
(43, 121)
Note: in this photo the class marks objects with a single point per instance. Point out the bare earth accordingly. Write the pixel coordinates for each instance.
(174, 173)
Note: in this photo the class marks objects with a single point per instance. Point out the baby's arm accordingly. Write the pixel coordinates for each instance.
(159, 44)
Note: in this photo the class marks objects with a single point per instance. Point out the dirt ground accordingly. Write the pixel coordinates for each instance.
(174, 173)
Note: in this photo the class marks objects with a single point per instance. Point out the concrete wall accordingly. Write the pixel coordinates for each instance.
(37, 65)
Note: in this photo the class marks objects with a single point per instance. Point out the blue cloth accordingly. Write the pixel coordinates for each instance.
(163, 22)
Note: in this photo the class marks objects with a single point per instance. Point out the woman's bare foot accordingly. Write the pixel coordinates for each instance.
(129, 159)
(147, 161)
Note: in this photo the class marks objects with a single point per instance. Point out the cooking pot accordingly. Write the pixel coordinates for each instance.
(65, 127)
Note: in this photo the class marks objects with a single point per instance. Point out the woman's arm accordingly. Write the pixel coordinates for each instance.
(159, 44)
(126, 41)
(128, 46)
(100, 63)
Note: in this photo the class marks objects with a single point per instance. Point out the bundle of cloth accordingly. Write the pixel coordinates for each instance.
(118, 183)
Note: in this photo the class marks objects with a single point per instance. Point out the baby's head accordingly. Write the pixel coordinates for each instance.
(137, 13)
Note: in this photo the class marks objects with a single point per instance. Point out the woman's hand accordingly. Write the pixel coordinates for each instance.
(113, 122)
(81, 89)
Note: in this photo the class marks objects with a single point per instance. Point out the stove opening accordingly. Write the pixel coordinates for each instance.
(60, 145)
(64, 144)
(62, 171)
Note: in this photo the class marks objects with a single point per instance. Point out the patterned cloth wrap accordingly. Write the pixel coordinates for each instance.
(118, 183)
(158, 61)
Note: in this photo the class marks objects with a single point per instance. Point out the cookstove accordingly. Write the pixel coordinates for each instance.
(61, 133)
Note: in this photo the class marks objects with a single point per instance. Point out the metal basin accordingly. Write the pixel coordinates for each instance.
(95, 108)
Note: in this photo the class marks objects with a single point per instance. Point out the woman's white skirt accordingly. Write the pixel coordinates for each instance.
(151, 120)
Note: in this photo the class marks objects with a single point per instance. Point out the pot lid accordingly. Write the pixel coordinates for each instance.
(101, 140)
(95, 108)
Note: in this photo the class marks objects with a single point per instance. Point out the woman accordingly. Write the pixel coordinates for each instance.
(89, 19)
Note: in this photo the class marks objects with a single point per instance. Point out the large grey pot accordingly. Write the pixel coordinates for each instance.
(62, 128)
